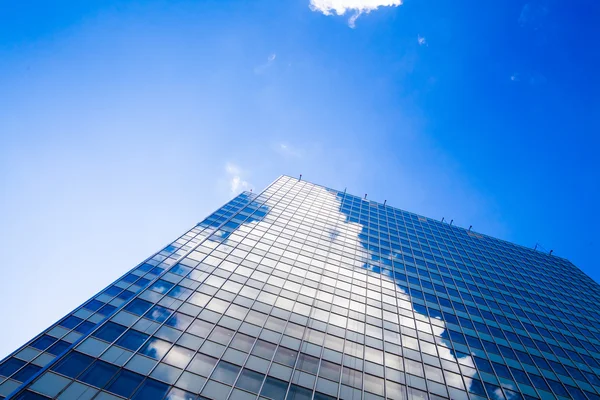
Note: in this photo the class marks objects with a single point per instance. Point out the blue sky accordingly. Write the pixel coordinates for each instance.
(124, 123)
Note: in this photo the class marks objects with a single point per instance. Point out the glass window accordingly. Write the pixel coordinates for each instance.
(179, 356)
(308, 363)
(70, 322)
(216, 390)
(107, 310)
(161, 286)
(143, 282)
(151, 390)
(126, 295)
(520, 376)
(158, 314)
(180, 270)
(43, 342)
(27, 395)
(179, 321)
(132, 339)
(73, 364)
(373, 384)
(558, 388)
(200, 328)
(286, 356)
(226, 372)
(274, 389)
(299, 393)
(155, 348)
(264, 349)
(85, 327)
(202, 364)
(178, 394)
(250, 380)
(180, 292)
(109, 331)
(125, 383)
(221, 335)
(138, 306)
(242, 342)
(98, 374)
(93, 305)
(130, 278)
(330, 370)
(8, 367)
(26, 372)
(112, 291)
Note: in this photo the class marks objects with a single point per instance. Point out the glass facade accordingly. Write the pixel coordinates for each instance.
(305, 292)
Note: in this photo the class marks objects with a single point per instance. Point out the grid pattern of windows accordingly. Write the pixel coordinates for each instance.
(305, 292)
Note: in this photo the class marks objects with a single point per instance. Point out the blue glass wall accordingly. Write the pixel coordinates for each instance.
(305, 292)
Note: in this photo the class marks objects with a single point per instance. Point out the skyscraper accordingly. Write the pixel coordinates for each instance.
(306, 292)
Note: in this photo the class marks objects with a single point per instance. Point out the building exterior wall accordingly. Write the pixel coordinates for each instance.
(306, 292)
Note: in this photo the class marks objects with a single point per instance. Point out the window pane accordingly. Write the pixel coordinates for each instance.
(9, 366)
(73, 364)
(132, 340)
(26, 372)
(226, 372)
(99, 374)
(179, 321)
(109, 331)
(179, 356)
(274, 388)
(202, 364)
(58, 347)
(151, 390)
(158, 314)
(161, 286)
(138, 306)
(43, 342)
(286, 356)
(27, 395)
(299, 393)
(155, 348)
(85, 327)
(70, 322)
(125, 383)
(250, 380)
(178, 394)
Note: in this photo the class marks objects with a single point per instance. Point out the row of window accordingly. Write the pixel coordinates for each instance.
(487, 314)
(511, 250)
(476, 278)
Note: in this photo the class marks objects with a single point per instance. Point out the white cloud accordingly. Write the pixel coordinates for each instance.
(236, 182)
(534, 78)
(358, 7)
(422, 41)
(289, 150)
(263, 67)
(533, 15)
(537, 79)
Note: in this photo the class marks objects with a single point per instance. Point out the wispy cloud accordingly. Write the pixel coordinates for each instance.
(288, 150)
(533, 79)
(422, 41)
(533, 15)
(235, 179)
(537, 79)
(357, 7)
(263, 67)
